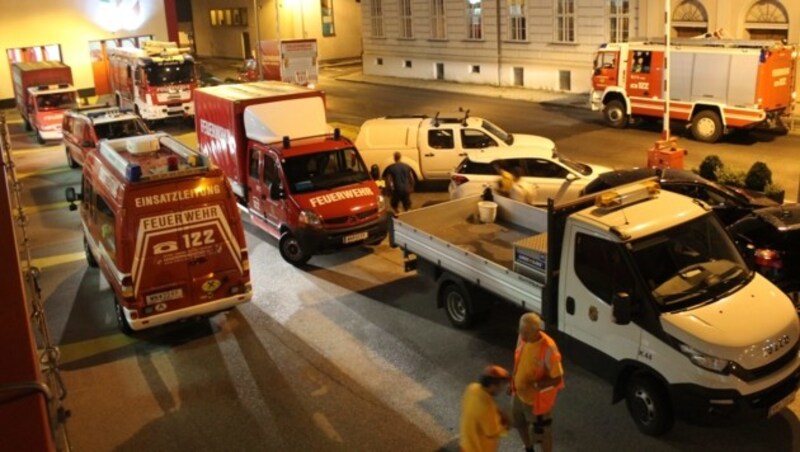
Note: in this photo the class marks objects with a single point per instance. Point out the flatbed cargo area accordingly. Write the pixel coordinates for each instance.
(492, 241)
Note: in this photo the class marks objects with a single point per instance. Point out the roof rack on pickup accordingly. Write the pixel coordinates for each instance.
(154, 156)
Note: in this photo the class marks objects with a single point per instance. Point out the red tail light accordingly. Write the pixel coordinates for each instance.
(768, 258)
(459, 179)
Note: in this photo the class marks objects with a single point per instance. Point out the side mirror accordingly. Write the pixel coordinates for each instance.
(72, 197)
(276, 191)
(374, 172)
(621, 308)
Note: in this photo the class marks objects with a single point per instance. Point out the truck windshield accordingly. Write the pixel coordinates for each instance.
(170, 74)
(325, 170)
(690, 264)
(498, 132)
(120, 129)
(56, 101)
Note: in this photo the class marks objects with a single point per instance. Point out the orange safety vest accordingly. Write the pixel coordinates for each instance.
(545, 399)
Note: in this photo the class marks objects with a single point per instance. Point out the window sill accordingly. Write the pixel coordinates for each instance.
(406, 39)
(438, 39)
(514, 41)
(474, 40)
(565, 44)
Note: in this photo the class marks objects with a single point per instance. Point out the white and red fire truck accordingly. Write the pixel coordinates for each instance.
(163, 226)
(715, 84)
(156, 80)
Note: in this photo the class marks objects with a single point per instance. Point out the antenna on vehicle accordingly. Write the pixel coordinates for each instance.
(436, 120)
(466, 114)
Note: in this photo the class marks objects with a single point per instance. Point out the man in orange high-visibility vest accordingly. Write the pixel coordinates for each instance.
(535, 381)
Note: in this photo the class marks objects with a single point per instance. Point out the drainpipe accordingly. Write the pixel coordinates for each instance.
(499, 44)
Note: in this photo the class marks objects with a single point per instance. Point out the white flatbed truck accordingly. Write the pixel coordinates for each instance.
(644, 287)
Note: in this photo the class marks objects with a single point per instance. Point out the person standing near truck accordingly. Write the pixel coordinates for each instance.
(535, 381)
(482, 422)
(400, 180)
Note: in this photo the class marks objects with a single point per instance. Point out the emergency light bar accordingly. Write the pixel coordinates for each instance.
(153, 156)
(627, 195)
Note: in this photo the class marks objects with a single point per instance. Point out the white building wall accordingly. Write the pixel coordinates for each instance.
(541, 58)
(72, 24)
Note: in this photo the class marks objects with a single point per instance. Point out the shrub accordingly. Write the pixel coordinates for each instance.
(732, 177)
(710, 167)
(758, 177)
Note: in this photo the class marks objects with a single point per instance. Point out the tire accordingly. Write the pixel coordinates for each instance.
(291, 251)
(706, 126)
(457, 303)
(122, 321)
(118, 100)
(615, 114)
(28, 126)
(89, 256)
(71, 161)
(40, 139)
(649, 406)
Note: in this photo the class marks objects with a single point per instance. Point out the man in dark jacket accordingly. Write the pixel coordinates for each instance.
(400, 180)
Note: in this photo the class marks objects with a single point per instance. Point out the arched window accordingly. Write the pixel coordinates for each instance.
(767, 19)
(689, 19)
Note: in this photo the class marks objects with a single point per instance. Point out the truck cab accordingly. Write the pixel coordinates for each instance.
(46, 107)
(433, 147)
(84, 127)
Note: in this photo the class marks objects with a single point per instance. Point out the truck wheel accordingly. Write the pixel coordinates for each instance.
(649, 406)
(89, 256)
(71, 161)
(706, 126)
(39, 138)
(28, 126)
(458, 305)
(291, 251)
(615, 114)
(122, 321)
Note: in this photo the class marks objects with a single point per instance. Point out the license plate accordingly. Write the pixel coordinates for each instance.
(355, 237)
(161, 297)
(783, 403)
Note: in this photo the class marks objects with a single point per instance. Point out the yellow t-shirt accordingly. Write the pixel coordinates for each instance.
(523, 374)
(480, 426)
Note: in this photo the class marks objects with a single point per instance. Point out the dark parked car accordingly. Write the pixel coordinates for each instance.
(770, 241)
(729, 203)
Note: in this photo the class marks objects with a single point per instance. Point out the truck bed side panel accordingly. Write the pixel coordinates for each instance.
(450, 236)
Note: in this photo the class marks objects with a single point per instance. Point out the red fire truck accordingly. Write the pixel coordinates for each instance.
(155, 81)
(43, 91)
(715, 84)
(303, 185)
(164, 228)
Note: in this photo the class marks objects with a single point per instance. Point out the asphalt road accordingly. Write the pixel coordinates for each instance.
(348, 354)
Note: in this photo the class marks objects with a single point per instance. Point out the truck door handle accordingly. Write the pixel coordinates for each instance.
(429, 154)
(570, 305)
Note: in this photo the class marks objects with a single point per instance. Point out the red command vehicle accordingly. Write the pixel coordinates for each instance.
(302, 184)
(164, 228)
(155, 81)
(715, 84)
(43, 91)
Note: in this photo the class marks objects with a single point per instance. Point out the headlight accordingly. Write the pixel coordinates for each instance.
(310, 218)
(381, 203)
(718, 365)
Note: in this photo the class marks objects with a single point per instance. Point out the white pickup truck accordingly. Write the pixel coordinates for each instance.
(434, 146)
(643, 287)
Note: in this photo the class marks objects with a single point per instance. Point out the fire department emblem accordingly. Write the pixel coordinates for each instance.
(211, 285)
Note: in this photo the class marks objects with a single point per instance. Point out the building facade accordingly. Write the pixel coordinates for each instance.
(543, 44)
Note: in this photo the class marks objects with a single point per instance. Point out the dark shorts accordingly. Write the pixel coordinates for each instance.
(399, 197)
(524, 417)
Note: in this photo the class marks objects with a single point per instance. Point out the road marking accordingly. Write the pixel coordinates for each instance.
(45, 207)
(44, 262)
(43, 173)
(77, 351)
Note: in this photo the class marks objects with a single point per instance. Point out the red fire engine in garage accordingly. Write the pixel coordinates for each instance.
(156, 81)
(164, 228)
(715, 84)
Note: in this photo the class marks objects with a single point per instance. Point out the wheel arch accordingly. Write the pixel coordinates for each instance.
(629, 369)
(617, 94)
(716, 108)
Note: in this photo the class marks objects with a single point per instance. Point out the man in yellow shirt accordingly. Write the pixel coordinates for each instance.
(536, 379)
(482, 423)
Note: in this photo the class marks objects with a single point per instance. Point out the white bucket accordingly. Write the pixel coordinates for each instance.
(487, 211)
